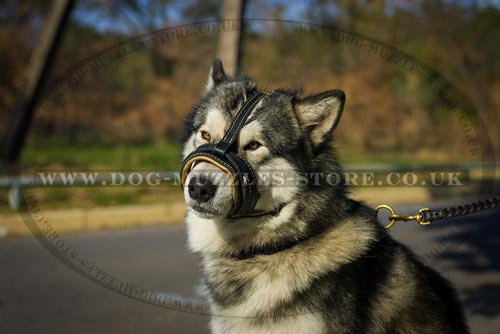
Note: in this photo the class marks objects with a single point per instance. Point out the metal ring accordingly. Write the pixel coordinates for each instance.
(421, 216)
(391, 210)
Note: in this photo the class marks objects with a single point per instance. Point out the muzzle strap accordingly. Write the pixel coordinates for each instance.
(239, 121)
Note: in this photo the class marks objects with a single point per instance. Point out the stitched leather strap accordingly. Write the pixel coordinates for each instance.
(232, 134)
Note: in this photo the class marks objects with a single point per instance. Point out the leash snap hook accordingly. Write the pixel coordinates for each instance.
(419, 217)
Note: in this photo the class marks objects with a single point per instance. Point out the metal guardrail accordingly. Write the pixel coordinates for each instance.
(15, 184)
(31, 181)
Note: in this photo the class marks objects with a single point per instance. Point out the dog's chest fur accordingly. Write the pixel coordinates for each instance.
(251, 296)
(268, 293)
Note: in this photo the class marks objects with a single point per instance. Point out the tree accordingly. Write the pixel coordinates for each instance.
(229, 42)
(139, 16)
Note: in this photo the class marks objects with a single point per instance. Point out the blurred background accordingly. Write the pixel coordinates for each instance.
(126, 115)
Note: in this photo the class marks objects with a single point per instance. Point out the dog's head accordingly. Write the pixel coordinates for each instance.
(281, 140)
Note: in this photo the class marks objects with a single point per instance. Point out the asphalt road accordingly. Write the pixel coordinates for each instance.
(39, 294)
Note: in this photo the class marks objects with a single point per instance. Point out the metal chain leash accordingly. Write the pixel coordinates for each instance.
(426, 216)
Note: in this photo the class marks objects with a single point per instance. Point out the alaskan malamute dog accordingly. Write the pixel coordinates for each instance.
(306, 259)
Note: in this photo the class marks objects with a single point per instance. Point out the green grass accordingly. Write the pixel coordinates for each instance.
(55, 154)
(89, 197)
(348, 157)
(164, 157)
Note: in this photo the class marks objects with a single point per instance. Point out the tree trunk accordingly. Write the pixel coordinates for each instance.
(229, 40)
(36, 75)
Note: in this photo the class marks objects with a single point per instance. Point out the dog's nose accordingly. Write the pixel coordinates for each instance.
(201, 189)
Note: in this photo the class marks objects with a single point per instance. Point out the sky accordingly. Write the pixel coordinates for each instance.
(112, 18)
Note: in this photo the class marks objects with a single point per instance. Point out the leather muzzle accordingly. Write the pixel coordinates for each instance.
(225, 157)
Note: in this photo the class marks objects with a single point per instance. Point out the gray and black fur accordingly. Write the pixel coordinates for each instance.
(324, 264)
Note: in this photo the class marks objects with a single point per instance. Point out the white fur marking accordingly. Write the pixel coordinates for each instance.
(299, 324)
(215, 124)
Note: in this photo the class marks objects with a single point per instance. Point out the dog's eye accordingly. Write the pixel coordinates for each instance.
(234, 104)
(205, 135)
(252, 146)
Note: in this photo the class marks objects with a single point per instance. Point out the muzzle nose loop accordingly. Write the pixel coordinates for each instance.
(189, 164)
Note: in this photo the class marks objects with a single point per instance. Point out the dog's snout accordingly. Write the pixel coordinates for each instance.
(201, 189)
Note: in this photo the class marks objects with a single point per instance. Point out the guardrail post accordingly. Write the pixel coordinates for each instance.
(15, 200)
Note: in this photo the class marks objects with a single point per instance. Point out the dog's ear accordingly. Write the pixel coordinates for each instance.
(216, 75)
(319, 114)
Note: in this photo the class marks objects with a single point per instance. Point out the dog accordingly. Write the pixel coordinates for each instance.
(306, 258)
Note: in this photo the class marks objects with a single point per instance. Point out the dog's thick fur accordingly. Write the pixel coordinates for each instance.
(323, 264)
